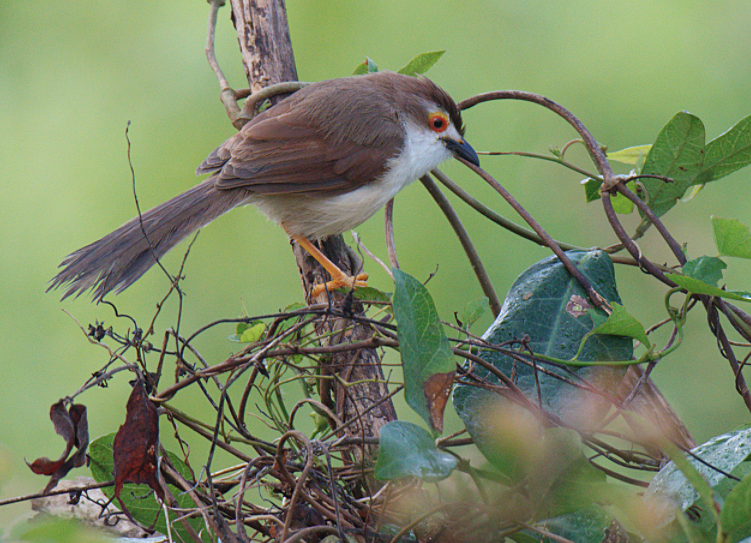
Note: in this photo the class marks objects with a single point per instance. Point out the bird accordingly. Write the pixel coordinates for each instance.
(318, 163)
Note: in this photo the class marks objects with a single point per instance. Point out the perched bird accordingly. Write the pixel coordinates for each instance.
(318, 163)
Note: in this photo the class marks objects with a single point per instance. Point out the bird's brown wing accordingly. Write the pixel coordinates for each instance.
(283, 152)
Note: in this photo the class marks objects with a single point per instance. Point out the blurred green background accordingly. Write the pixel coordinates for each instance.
(74, 73)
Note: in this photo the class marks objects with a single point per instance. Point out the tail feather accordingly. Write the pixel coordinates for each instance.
(118, 259)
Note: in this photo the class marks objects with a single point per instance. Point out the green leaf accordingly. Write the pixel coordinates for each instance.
(427, 357)
(561, 479)
(620, 323)
(696, 286)
(369, 66)
(393, 529)
(736, 511)
(728, 152)
(370, 294)
(731, 237)
(630, 155)
(407, 450)
(621, 204)
(253, 333)
(726, 452)
(705, 268)
(691, 193)
(45, 528)
(421, 63)
(589, 525)
(591, 189)
(248, 332)
(549, 306)
(677, 153)
(139, 499)
(473, 311)
(694, 477)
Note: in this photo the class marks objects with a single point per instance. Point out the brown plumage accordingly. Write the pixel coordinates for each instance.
(297, 161)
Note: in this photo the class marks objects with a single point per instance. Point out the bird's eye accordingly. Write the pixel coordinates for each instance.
(438, 121)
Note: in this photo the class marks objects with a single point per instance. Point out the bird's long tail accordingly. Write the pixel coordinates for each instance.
(118, 259)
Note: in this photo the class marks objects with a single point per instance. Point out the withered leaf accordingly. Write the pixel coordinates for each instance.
(437, 389)
(134, 449)
(72, 425)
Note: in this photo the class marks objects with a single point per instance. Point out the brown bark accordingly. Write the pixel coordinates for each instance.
(266, 48)
(263, 35)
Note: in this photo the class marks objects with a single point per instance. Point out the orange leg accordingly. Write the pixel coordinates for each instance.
(339, 279)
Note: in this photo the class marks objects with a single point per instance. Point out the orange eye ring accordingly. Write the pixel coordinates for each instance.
(438, 122)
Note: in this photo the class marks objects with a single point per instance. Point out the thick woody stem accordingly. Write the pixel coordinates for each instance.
(263, 35)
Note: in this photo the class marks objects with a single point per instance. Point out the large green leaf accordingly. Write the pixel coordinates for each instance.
(729, 453)
(677, 153)
(407, 450)
(427, 358)
(731, 237)
(728, 152)
(680, 153)
(139, 499)
(550, 307)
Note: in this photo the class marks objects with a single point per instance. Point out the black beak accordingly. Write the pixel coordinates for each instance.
(462, 149)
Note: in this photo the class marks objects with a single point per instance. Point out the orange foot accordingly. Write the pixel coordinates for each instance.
(339, 282)
(339, 279)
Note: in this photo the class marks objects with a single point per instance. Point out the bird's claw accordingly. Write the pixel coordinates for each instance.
(339, 282)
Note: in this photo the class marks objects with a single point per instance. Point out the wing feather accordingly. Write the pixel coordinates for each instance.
(292, 148)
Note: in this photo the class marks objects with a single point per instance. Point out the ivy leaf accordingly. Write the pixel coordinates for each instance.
(248, 332)
(621, 204)
(722, 455)
(421, 63)
(735, 511)
(427, 357)
(680, 153)
(731, 237)
(630, 155)
(547, 309)
(407, 450)
(697, 286)
(591, 189)
(253, 333)
(677, 153)
(728, 152)
(705, 268)
(593, 524)
(141, 502)
(621, 323)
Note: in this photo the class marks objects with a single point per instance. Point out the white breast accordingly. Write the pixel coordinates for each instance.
(319, 217)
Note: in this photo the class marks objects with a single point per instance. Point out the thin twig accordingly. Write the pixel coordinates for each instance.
(497, 218)
(390, 242)
(596, 298)
(469, 249)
